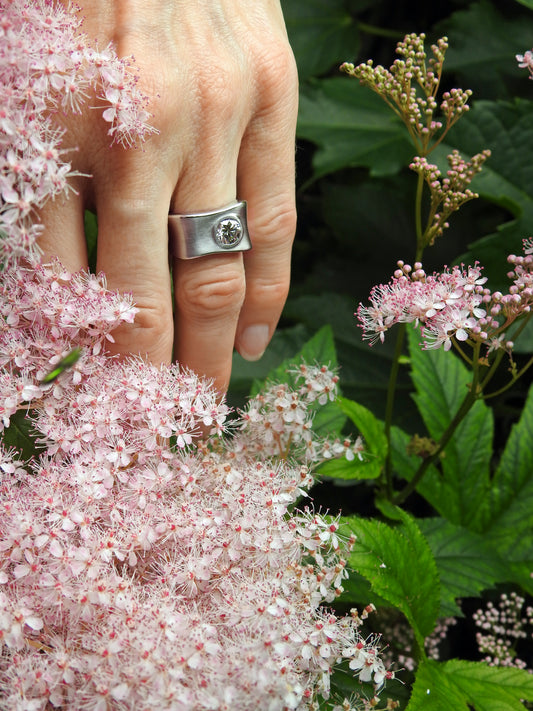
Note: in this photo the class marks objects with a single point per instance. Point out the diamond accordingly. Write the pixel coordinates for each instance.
(228, 232)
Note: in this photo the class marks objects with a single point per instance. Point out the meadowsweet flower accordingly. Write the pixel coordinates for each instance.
(525, 61)
(451, 306)
(140, 564)
(148, 560)
(48, 65)
(449, 192)
(501, 627)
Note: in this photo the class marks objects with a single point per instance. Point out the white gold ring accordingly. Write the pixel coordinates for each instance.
(199, 233)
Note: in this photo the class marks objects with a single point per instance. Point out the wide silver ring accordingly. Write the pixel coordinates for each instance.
(200, 233)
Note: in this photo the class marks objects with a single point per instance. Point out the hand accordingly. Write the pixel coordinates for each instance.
(222, 87)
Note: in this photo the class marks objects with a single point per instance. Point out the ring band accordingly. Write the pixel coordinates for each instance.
(200, 233)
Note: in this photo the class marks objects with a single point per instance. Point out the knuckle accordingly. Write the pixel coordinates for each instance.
(219, 88)
(208, 298)
(277, 224)
(151, 332)
(277, 72)
(272, 293)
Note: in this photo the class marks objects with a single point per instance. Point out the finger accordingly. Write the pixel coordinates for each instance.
(208, 291)
(266, 182)
(132, 208)
(64, 233)
(209, 294)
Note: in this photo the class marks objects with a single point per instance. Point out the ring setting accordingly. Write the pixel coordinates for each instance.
(200, 233)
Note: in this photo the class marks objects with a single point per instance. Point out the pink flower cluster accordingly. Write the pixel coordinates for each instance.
(451, 306)
(47, 65)
(143, 566)
(525, 61)
(277, 421)
(148, 560)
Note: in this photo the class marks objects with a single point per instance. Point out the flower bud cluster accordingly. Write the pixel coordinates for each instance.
(47, 65)
(449, 192)
(410, 88)
(453, 306)
(501, 627)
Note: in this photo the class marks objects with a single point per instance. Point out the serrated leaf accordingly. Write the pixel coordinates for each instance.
(441, 381)
(505, 516)
(472, 686)
(371, 429)
(351, 126)
(398, 563)
(321, 35)
(467, 563)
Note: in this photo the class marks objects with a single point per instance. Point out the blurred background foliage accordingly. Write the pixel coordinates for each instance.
(355, 194)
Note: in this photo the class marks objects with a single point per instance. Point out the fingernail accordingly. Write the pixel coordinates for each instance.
(253, 341)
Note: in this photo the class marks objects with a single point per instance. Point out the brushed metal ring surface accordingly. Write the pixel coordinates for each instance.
(212, 232)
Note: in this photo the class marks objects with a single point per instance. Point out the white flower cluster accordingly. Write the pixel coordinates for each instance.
(147, 561)
(47, 65)
(141, 570)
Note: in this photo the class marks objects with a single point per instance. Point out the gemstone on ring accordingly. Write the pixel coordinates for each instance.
(196, 234)
(228, 232)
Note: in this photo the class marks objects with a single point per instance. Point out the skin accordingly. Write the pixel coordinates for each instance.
(222, 87)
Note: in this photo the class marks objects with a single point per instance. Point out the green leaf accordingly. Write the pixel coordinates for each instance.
(466, 562)
(487, 65)
(441, 381)
(398, 563)
(351, 126)
(346, 470)
(469, 686)
(505, 515)
(365, 371)
(373, 432)
(321, 35)
(20, 435)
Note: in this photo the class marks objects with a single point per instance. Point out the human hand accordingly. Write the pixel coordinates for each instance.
(222, 88)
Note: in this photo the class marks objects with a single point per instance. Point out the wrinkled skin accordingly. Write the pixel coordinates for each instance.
(222, 88)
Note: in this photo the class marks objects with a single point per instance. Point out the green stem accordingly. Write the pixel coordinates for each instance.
(465, 406)
(389, 407)
(512, 381)
(418, 218)
(378, 31)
